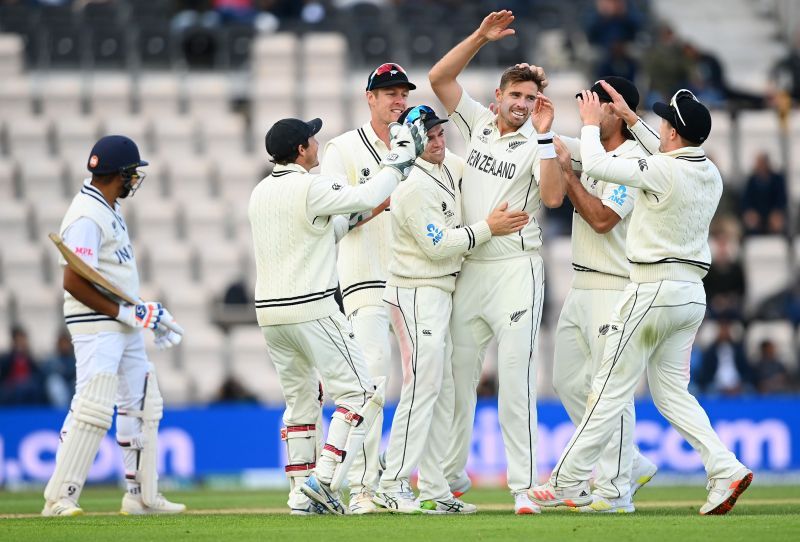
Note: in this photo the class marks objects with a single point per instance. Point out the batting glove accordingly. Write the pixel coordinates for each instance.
(166, 338)
(407, 141)
(145, 315)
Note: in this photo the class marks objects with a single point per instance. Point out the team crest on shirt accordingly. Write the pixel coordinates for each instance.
(642, 164)
(364, 175)
(447, 212)
(484, 137)
(512, 145)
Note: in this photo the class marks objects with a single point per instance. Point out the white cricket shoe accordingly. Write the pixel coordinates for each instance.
(549, 496)
(449, 505)
(402, 502)
(361, 503)
(322, 494)
(61, 507)
(132, 505)
(604, 505)
(460, 485)
(642, 472)
(723, 492)
(524, 506)
(312, 509)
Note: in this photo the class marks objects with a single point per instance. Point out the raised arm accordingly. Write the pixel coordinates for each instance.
(646, 173)
(444, 73)
(646, 137)
(551, 183)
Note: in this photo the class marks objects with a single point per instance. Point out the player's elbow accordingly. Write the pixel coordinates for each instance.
(603, 227)
(435, 77)
(552, 200)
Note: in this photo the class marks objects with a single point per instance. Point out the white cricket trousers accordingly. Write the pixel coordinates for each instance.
(122, 354)
(502, 299)
(580, 338)
(421, 426)
(326, 346)
(371, 327)
(653, 325)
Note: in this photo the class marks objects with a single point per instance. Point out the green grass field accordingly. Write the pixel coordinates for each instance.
(765, 514)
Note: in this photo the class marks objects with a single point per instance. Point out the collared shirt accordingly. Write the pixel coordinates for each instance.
(599, 258)
(499, 168)
(680, 191)
(428, 239)
(364, 253)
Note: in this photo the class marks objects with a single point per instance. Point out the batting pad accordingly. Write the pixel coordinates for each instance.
(301, 449)
(358, 432)
(151, 413)
(92, 413)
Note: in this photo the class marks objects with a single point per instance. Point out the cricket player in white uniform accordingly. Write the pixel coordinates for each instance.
(499, 292)
(655, 321)
(355, 156)
(111, 363)
(428, 244)
(294, 236)
(599, 229)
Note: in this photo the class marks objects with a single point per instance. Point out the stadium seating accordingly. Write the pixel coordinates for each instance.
(69, 77)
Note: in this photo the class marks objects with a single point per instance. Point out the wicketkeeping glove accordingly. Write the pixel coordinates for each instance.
(406, 143)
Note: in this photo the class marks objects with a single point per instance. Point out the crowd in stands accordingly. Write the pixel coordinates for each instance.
(626, 42)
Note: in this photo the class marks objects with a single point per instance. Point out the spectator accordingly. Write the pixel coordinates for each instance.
(785, 74)
(232, 391)
(707, 81)
(20, 376)
(725, 281)
(618, 62)
(60, 372)
(723, 367)
(764, 201)
(771, 375)
(666, 66)
(236, 294)
(784, 305)
(613, 21)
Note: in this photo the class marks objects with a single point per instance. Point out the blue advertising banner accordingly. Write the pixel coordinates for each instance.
(199, 442)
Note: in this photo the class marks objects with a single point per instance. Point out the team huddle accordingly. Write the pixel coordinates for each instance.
(444, 252)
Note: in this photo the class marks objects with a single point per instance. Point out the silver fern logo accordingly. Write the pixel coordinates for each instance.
(515, 316)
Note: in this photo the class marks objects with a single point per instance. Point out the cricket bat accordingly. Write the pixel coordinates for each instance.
(108, 288)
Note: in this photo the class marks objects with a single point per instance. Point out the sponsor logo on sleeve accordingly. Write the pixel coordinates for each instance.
(434, 233)
(619, 195)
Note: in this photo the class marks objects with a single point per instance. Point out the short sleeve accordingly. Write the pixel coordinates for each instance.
(84, 237)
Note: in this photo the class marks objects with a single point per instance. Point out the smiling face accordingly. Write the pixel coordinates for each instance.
(387, 104)
(515, 104)
(435, 148)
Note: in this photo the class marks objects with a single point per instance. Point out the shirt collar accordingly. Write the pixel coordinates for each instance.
(626, 145)
(427, 166)
(371, 135)
(689, 152)
(87, 184)
(526, 130)
(289, 167)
